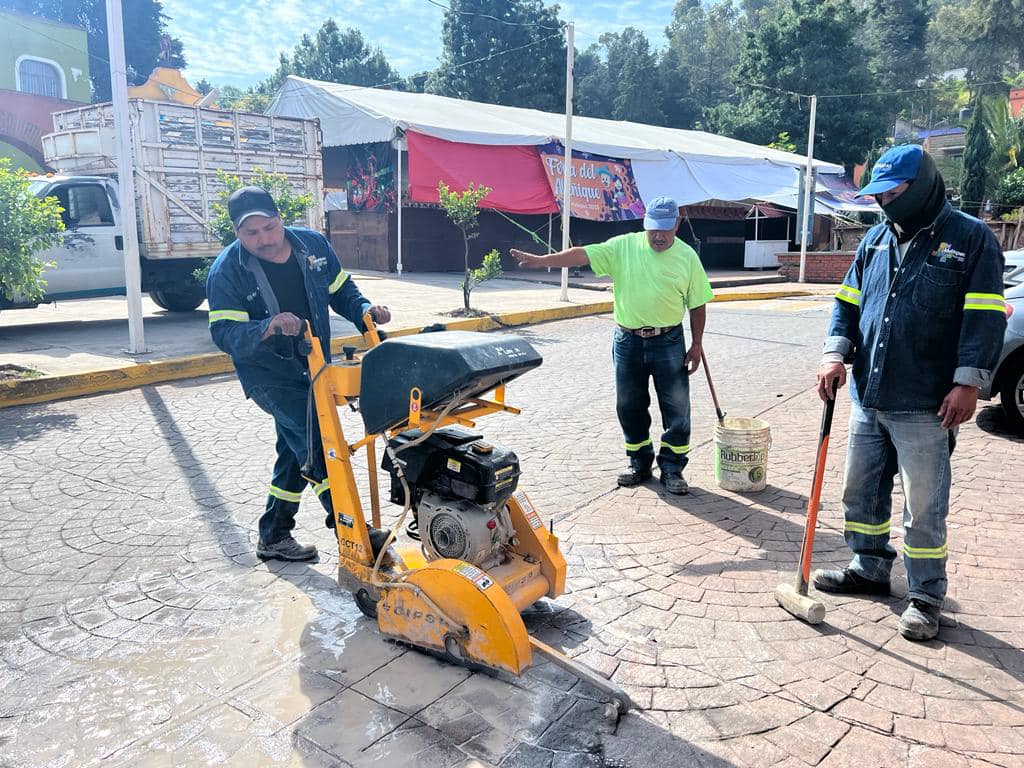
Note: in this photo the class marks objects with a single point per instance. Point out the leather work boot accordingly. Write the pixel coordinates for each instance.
(846, 582)
(920, 621)
(675, 483)
(633, 476)
(285, 549)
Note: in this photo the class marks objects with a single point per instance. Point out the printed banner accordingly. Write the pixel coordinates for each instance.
(371, 177)
(601, 188)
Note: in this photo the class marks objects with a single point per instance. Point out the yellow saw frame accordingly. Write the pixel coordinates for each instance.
(445, 606)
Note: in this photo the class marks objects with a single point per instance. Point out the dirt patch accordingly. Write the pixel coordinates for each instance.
(463, 312)
(9, 372)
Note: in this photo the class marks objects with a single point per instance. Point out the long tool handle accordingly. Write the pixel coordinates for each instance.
(804, 574)
(711, 386)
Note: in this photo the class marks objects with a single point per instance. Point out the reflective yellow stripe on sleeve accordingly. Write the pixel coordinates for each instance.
(990, 301)
(283, 495)
(321, 487)
(849, 294)
(235, 315)
(338, 282)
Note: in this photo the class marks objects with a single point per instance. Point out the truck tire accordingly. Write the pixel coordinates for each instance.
(1011, 393)
(184, 300)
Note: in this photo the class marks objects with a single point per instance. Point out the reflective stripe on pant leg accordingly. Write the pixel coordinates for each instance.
(867, 496)
(667, 360)
(632, 398)
(923, 447)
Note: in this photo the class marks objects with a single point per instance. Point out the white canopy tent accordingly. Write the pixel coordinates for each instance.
(692, 166)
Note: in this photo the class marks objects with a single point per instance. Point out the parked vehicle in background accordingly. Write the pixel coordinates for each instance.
(1008, 377)
(1013, 271)
(177, 151)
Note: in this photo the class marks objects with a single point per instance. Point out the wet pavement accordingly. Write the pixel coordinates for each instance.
(137, 627)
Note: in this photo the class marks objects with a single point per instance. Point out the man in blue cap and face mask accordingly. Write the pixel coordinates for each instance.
(921, 316)
(657, 278)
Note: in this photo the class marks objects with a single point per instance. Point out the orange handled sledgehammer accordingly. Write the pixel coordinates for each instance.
(793, 597)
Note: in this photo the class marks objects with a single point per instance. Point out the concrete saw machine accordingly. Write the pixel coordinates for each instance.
(483, 553)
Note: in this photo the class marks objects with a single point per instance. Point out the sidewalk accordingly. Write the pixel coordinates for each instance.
(88, 339)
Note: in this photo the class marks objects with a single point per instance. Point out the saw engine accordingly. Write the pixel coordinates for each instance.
(459, 486)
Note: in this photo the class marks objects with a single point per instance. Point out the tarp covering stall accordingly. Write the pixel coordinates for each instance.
(692, 166)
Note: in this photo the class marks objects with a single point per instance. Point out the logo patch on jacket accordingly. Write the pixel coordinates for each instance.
(947, 254)
(316, 263)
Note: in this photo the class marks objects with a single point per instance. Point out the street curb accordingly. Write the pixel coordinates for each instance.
(64, 386)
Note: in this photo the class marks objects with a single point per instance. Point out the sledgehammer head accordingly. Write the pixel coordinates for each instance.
(802, 606)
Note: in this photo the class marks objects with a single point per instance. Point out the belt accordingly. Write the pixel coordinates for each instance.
(648, 332)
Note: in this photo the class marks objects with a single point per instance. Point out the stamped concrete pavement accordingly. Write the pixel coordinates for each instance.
(137, 627)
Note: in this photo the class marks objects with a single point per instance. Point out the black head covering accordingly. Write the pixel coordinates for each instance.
(920, 204)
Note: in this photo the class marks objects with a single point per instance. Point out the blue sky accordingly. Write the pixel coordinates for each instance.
(232, 43)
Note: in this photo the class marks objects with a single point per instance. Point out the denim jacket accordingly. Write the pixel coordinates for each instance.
(242, 304)
(915, 328)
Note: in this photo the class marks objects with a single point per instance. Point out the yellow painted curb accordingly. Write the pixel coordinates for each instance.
(63, 386)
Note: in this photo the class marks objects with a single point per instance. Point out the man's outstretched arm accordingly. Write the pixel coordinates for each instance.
(571, 257)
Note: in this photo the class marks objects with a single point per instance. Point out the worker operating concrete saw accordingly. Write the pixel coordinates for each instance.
(484, 553)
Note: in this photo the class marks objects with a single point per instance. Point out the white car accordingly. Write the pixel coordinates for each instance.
(1013, 272)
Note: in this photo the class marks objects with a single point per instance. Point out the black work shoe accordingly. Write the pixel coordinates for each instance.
(285, 549)
(920, 621)
(846, 582)
(675, 483)
(633, 476)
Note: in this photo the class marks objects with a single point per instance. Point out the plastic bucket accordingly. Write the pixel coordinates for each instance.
(741, 453)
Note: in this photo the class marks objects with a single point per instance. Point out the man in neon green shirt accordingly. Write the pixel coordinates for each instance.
(656, 278)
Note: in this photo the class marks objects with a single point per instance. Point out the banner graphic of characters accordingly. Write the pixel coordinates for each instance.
(371, 177)
(602, 188)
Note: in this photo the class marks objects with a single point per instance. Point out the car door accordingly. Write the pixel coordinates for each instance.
(89, 261)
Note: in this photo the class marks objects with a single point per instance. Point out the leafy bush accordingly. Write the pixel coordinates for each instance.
(462, 208)
(28, 225)
(1010, 189)
(291, 206)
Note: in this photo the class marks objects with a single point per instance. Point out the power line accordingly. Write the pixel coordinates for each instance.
(449, 9)
(968, 86)
(489, 57)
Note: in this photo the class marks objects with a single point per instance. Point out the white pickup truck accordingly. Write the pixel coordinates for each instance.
(177, 152)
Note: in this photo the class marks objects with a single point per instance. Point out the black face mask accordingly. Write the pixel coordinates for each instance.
(920, 204)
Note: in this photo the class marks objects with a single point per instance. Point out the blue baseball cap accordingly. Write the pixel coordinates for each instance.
(896, 166)
(662, 213)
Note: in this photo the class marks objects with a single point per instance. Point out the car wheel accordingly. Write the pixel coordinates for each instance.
(178, 301)
(1012, 394)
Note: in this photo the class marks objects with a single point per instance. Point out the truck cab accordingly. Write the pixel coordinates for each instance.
(90, 260)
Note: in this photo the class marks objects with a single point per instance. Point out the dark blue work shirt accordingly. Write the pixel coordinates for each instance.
(914, 327)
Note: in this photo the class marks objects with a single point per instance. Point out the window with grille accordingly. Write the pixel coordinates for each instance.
(40, 78)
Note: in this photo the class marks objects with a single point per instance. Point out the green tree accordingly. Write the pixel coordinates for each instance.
(1010, 189)
(290, 205)
(334, 56)
(704, 44)
(977, 151)
(614, 77)
(475, 36)
(145, 45)
(898, 31)
(28, 225)
(797, 49)
(463, 210)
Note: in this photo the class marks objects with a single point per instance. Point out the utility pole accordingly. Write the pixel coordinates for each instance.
(567, 165)
(805, 235)
(125, 177)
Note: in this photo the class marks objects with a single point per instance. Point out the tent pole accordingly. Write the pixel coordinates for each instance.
(567, 165)
(808, 184)
(398, 199)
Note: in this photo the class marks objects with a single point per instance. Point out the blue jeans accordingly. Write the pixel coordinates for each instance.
(287, 404)
(637, 360)
(914, 444)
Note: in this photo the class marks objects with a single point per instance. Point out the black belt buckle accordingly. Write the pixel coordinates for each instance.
(648, 332)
